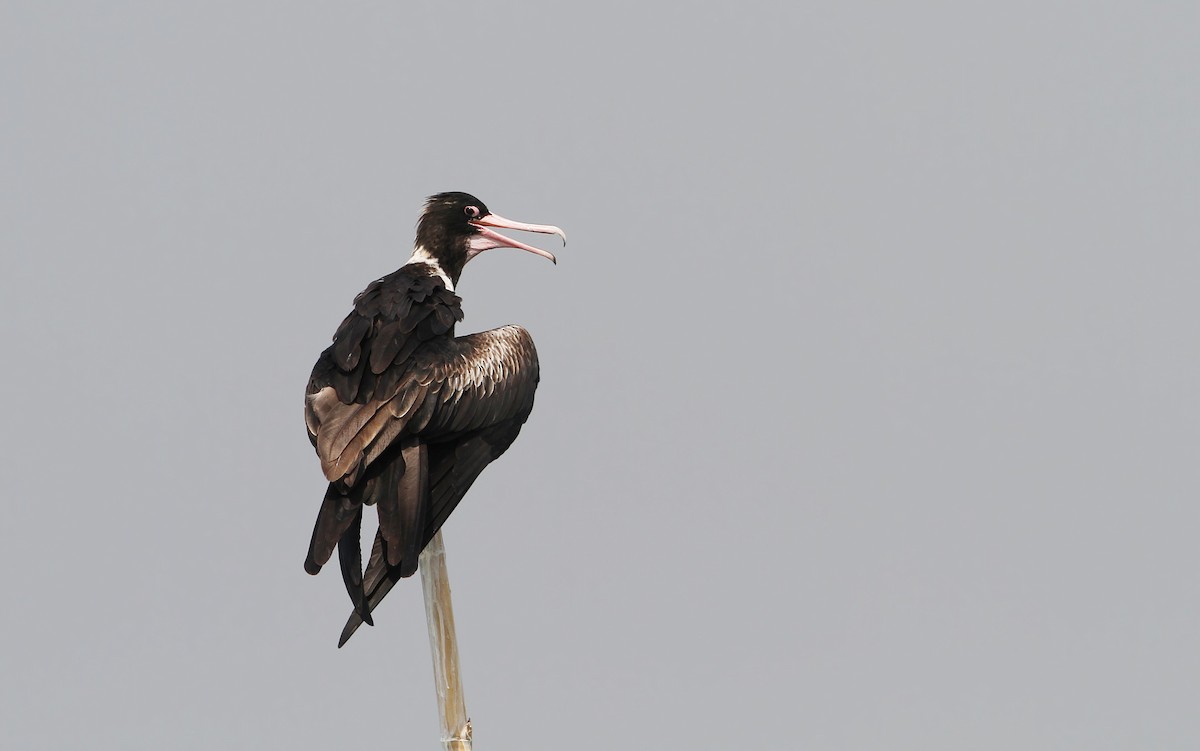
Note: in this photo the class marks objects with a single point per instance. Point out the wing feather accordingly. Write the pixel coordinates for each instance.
(347, 342)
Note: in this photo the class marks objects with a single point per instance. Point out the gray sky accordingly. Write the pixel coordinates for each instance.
(868, 415)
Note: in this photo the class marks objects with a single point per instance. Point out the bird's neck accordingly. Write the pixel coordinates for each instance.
(422, 255)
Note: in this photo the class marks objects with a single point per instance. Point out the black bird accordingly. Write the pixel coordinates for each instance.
(403, 414)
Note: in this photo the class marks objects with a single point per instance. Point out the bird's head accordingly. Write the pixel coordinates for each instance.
(455, 227)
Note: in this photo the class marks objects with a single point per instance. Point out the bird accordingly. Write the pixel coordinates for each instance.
(403, 414)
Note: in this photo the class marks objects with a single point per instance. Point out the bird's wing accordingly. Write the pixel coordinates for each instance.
(445, 390)
(470, 391)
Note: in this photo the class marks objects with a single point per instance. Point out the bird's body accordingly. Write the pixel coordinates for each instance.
(403, 414)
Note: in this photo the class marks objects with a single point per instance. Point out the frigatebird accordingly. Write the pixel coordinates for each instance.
(403, 414)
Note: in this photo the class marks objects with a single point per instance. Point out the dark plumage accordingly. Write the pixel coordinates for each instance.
(404, 415)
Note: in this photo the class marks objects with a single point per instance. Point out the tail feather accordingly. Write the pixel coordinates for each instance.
(413, 499)
(401, 494)
(338, 511)
(444, 485)
(424, 500)
(378, 581)
(388, 503)
(350, 558)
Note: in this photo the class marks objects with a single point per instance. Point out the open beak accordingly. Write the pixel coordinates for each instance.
(488, 238)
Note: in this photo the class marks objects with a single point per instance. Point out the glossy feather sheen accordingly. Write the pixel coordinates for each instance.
(405, 416)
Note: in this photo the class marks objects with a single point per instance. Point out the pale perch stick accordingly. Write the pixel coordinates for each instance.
(439, 615)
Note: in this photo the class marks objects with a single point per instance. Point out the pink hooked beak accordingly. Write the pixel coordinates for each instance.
(487, 239)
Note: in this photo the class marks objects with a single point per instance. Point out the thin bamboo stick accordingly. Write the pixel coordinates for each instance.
(439, 615)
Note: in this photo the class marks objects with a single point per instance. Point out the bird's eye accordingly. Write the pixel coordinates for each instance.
(472, 211)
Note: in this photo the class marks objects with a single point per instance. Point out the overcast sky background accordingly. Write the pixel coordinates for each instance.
(868, 415)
